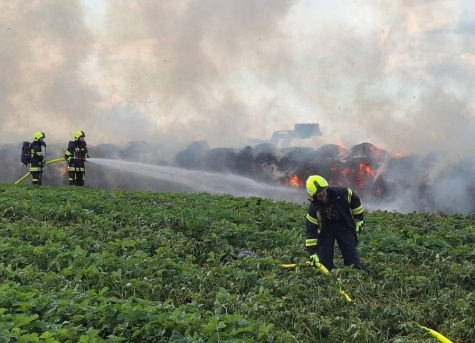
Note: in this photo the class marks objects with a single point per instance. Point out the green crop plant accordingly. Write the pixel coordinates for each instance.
(91, 265)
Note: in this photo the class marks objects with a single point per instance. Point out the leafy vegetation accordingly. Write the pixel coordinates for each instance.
(90, 265)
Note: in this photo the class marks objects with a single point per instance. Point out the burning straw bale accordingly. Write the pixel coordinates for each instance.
(413, 182)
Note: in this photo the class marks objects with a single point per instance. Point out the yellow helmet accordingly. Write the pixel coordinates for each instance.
(78, 134)
(316, 185)
(38, 135)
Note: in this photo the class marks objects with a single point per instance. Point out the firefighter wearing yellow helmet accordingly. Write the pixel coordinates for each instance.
(36, 158)
(76, 155)
(334, 214)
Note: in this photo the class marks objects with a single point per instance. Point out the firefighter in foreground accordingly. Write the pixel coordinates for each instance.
(36, 157)
(334, 213)
(76, 155)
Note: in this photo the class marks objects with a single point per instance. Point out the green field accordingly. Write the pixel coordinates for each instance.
(91, 265)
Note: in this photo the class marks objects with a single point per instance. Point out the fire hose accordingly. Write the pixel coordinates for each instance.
(325, 271)
(45, 164)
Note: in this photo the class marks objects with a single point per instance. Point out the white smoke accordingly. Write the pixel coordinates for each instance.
(397, 74)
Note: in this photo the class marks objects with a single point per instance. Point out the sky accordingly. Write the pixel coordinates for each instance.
(399, 74)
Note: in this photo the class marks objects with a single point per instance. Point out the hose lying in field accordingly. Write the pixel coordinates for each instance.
(437, 335)
(45, 164)
(325, 271)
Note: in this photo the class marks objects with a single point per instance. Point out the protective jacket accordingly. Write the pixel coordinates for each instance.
(75, 155)
(348, 203)
(36, 157)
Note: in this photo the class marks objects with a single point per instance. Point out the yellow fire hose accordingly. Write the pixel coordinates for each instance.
(325, 271)
(45, 164)
(437, 335)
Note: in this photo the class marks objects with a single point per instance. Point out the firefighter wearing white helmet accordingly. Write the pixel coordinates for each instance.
(334, 214)
(76, 155)
(36, 158)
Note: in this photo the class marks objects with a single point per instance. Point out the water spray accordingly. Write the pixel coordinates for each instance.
(195, 181)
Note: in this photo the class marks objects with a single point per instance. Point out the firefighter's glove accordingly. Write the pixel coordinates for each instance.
(314, 260)
(359, 227)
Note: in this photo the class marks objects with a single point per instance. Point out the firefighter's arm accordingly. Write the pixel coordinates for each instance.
(86, 152)
(357, 210)
(39, 154)
(69, 154)
(312, 226)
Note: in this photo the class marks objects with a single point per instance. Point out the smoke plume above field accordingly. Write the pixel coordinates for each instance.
(398, 74)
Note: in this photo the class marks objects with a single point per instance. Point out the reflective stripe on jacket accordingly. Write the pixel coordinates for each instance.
(349, 205)
(76, 150)
(36, 157)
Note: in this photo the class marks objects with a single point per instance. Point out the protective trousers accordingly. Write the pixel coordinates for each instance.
(346, 239)
(76, 178)
(36, 177)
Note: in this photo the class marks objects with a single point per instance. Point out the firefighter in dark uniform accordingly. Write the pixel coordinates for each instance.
(334, 214)
(76, 155)
(36, 158)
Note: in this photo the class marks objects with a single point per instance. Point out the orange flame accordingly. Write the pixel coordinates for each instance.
(294, 181)
(366, 169)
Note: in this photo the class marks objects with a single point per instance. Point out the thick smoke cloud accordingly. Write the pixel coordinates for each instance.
(201, 65)
(396, 74)
(44, 45)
